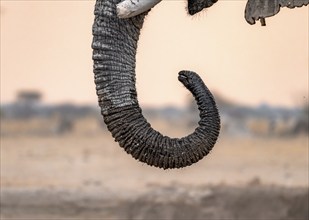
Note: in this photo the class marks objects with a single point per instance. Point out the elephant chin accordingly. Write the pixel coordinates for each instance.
(114, 55)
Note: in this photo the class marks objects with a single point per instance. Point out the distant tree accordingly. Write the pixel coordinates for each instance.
(29, 97)
(1, 112)
(27, 102)
(302, 124)
(223, 103)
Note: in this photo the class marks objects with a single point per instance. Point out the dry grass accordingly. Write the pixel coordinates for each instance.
(85, 175)
(74, 161)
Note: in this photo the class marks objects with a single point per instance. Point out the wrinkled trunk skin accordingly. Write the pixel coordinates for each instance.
(260, 9)
(114, 49)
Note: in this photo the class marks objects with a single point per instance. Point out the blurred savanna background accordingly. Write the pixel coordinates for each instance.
(59, 161)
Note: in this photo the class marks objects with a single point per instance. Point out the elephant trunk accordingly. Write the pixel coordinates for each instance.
(114, 50)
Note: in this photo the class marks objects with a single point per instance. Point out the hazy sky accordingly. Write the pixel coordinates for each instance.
(46, 46)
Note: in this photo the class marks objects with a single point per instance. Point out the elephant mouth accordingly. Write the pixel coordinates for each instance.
(195, 6)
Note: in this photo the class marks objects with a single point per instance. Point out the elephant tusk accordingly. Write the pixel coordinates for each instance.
(131, 8)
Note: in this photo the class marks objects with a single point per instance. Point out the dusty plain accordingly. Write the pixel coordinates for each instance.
(88, 176)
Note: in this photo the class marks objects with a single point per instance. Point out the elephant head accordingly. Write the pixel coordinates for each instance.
(114, 50)
(261, 9)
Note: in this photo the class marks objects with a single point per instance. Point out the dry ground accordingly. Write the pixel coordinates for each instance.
(90, 176)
